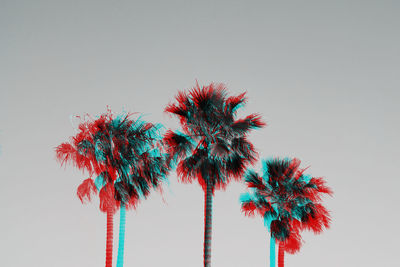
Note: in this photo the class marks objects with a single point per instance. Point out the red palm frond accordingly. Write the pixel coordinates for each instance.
(317, 220)
(249, 208)
(242, 126)
(107, 199)
(320, 183)
(293, 243)
(177, 145)
(65, 153)
(234, 102)
(86, 190)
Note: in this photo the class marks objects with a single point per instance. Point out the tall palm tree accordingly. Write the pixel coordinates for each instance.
(213, 147)
(122, 153)
(289, 202)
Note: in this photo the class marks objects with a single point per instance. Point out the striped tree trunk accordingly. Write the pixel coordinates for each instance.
(109, 242)
(121, 244)
(272, 251)
(207, 226)
(281, 255)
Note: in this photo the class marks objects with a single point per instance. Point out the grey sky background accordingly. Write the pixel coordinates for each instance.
(324, 75)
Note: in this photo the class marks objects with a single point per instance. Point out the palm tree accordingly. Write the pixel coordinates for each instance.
(122, 153)
(289, 202)
(213, 147)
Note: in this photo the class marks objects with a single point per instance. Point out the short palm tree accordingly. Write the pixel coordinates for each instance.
(213, 147)
(124, 156)
(289, 202)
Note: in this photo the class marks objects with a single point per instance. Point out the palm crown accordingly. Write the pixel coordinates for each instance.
(288, 200)
(124, 155)
(213, 146)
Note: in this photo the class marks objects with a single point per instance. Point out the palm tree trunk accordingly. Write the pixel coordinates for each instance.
(281, 255)
(207, 226)
(109, 244)
(121, 244)
(272, 252)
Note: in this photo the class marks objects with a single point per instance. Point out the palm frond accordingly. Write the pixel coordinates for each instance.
(190, 167)
(248, 206)
(245, 148)
(235, 166)
(243, 126)
(253, 180)
(177, 145)
(107, 199)
(180, 109)
(293, 243)
(233, 103)
(66, 153)
(86, 190)
(219, 148)
(280, 229)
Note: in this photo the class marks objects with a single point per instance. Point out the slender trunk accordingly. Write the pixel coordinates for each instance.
(109, 244)
(207, 226)
(281, 255)
(272, 252)
(121, 244)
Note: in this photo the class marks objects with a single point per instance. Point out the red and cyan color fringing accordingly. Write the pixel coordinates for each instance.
(213, 147)
(288, 200)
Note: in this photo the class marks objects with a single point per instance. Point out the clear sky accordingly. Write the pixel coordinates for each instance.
(324, 75)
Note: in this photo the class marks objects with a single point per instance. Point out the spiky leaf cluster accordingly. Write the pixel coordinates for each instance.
(123, 153)
(213, 147)
(288, 200)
